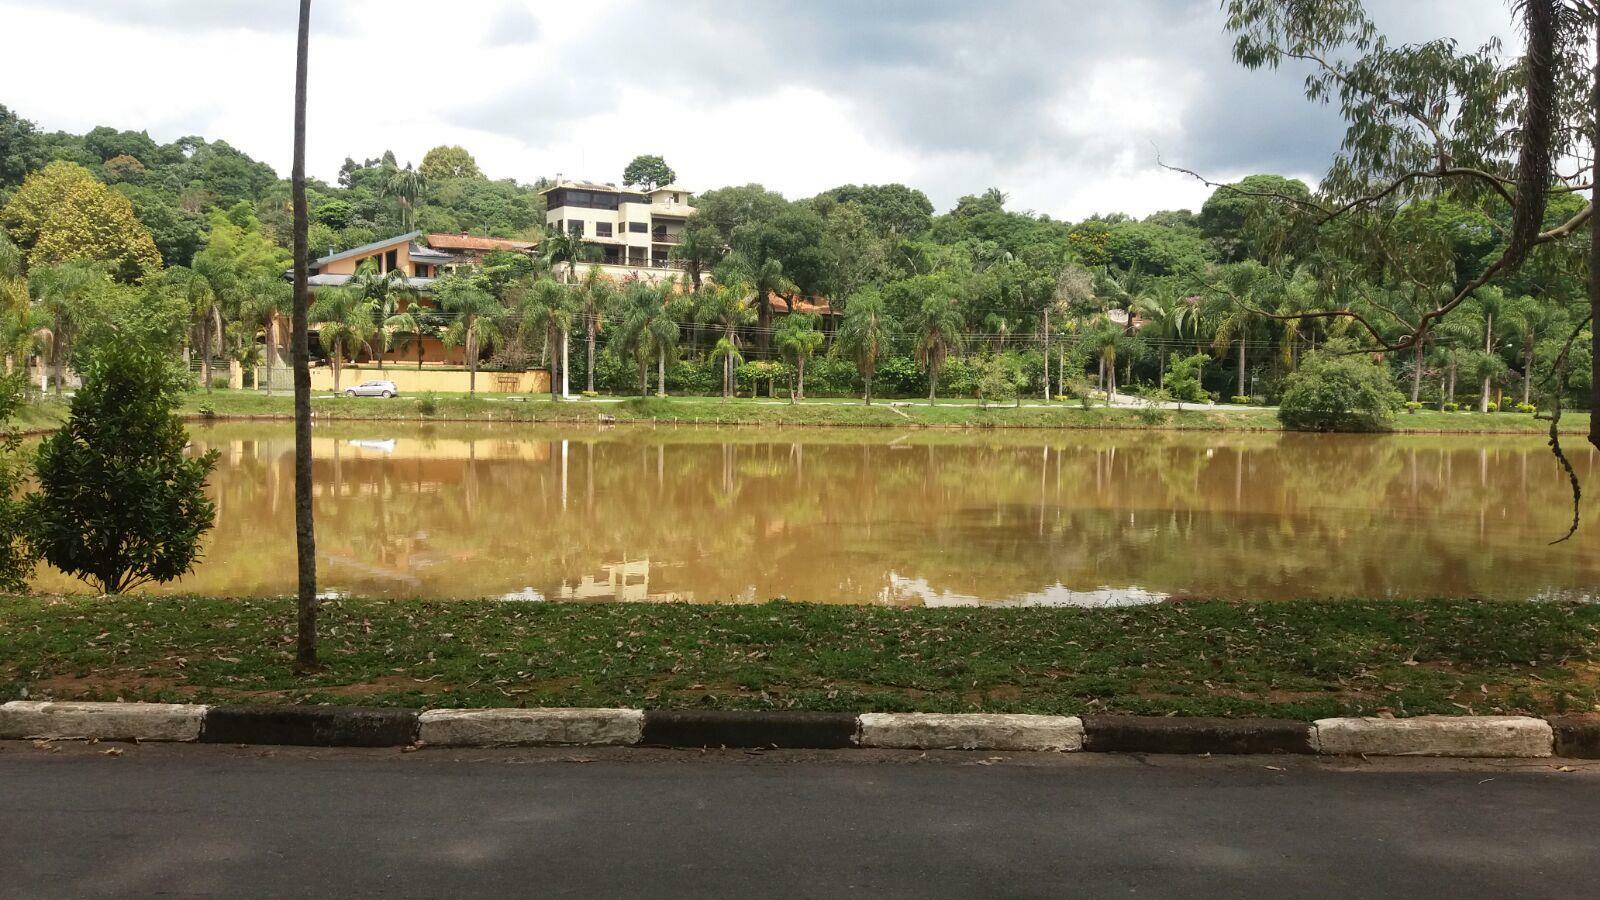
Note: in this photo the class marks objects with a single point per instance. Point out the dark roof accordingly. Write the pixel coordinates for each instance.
(364, 249)
(429, 254)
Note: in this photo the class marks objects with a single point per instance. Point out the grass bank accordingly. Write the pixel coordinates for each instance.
(745, 411)
(1298, 659)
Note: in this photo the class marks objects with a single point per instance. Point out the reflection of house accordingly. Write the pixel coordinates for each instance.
(626, 582)
(632, 232)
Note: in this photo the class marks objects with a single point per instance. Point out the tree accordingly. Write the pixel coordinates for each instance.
(62, 291)
(448, 162)
(562, 249)
(21, 150)
(345, 325)
(649, 330)
(16, 555)
(119, 504)
(385, 292)
(763, 279)
(304, 527)
(597, 295)
(798, 340)
(205, 314)
(1335, 390)
(406, 186)
(545, 310)
(1183, 379)
(724, 305)
(1000, 380)
(937, 326)
(700, 250)
(476, 327)
(62, 213)
(865, 335)
(648, 172)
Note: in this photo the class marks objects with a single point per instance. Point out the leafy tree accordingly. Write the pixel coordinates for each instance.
(21, 150)
(345, 325)
(648, 172)
(648, 330)
(895, 209)
(406, 187)
(1183, 379)
(865, 335)
(724, 305)
(1001, 380)
(1335, 390)
(119, 504)
(1248, 220)
(476, 326)
(385, 291)
(798, 340)
(545, 310)
(448, 162)
(937, 326)
(62, 212)
(597, 295)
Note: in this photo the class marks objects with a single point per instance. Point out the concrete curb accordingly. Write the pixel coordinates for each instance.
(48, 720)
(349, 726)
(310, 726)
(530, 727)
(974, 731)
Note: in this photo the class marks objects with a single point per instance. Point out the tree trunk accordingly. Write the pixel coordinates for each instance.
(304, 529)
(551, 368)
(566, 365)
(1241, 366)
(419, 351)
(933, 385)
(589, 361)
(869, 388)
(1416, 373)
(1527, 371)
(1594, 269)
(661, 373)
(1488, 348)
(469, 346)
(1047, 354)
(800, 374)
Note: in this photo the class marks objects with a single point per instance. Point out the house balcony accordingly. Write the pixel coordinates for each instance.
(662, 237)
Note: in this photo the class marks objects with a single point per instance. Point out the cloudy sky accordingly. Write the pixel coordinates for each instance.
(1062, 104)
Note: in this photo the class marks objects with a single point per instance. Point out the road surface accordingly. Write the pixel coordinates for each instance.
(76, 821)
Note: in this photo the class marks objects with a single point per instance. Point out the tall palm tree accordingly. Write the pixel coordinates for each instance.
(545, 310)
(17, 319)
(647, 330)
(1107, 340)
(1169, 316)
(476, 327)
(724, 305)
(345, 325)
(61, 290)
(264, 306)
(406, 186)
(205, 314)
(1490, 305)
(865, 335)
(1242, 289)
(385, 290)
(562, 250)
(699, 250)
(937, 326)
(1530, 318)
(798, 340)
(410, 322)
(304, 527)
(766, 279)
(596, 297)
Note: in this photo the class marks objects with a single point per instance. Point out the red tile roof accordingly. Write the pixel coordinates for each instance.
(473, 242)
(783, 304)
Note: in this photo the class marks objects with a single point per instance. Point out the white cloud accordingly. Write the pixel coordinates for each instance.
(1064, 112)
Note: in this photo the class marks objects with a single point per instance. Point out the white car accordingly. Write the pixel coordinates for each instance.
(373, 389)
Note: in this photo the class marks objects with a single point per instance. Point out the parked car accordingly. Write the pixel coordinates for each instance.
(373, 389)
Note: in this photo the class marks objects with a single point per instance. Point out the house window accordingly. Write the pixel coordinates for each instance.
(638, 227)
(575, 228)
(391, 260)
(602, 229)
(675, 198)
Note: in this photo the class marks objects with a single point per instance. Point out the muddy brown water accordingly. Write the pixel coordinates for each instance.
(1083, 518)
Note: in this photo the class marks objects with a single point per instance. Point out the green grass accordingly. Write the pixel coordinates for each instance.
(1300, 659)
(830, 412)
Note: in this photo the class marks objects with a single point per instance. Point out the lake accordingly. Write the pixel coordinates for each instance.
(937, 518)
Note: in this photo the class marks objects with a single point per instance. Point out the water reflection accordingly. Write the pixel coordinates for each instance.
(1074, 518)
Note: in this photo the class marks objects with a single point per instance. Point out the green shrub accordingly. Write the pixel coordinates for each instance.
(118, 503)
(1237, 400)
(1528, 408)
(1001, 379)
(208, 412)
(1412, 406)
(1338, 391)
(1492, 407)
(1183, 379)
(1450, 406)
(219, 382)
(428, 404)
(588, 395)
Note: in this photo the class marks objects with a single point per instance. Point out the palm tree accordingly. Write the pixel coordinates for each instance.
(16, 306)
(406, 186)
(562, 249)
(1490, 304)
(767, 279)
(205, 314)
(546, 310)
(61, 290)
(596, 296)
(1169, 316)
(344, 325)
(1238, 294)
(864, 335)
(724, 305)
(937, 326)
(648, 329)
(699, 250)
(798, 340)
(385, 290)
(1530, 319)
(476, 327)
(727, 352)
(1107, 340)
(304, 526)
(264, 303)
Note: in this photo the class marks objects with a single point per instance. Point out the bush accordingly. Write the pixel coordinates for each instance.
(899, 376)
(1000, 381)
(1183, 379)
(1237, 400)
(1492, 407)
(118, 503)
(1412, 406)
(588, 395)
(1450, 406)
(428, 404)
(1336, 391)
(1528, 408)
(208, 412)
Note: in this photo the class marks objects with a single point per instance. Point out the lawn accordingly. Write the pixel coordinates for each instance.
(1300, 660)
(747, 411)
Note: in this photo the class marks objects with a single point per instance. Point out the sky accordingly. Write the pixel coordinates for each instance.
(1064, 105)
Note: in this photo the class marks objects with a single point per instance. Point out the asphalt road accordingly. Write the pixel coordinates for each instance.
(75, 821)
